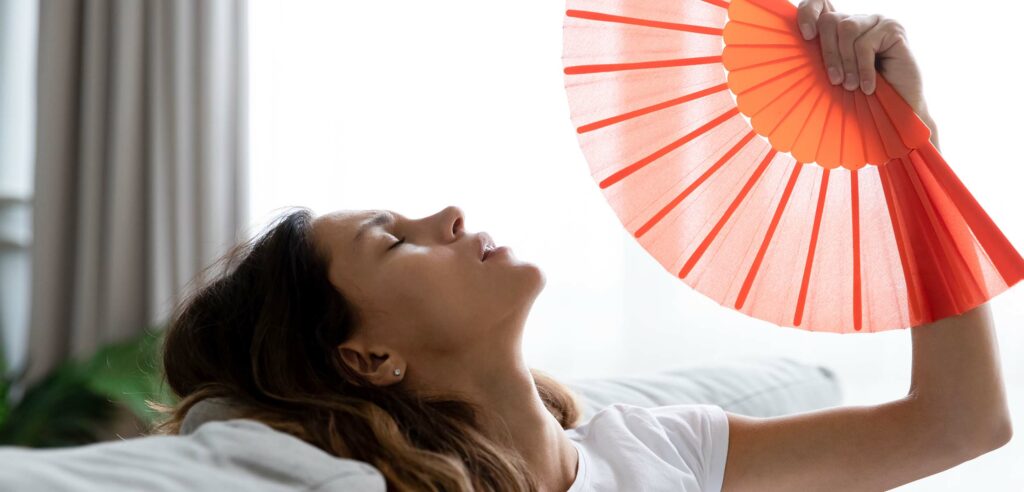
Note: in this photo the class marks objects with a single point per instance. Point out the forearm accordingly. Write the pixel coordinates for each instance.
(956, 381)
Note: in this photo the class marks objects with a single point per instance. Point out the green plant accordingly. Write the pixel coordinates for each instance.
(73, 403)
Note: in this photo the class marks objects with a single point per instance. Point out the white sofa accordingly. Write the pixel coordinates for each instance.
(216, 452)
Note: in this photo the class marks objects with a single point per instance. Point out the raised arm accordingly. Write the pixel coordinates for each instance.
(956, 407)
(955, 411)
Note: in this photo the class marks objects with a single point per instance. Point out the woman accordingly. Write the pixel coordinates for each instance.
(397, 342)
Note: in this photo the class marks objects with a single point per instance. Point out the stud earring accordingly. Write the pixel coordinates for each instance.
(398, 372)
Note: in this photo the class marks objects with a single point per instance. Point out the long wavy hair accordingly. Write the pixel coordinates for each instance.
(264, 334)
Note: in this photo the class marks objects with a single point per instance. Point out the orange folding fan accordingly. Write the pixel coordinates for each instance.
(715, 135)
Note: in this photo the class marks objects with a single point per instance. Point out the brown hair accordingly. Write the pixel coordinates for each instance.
(264, 333)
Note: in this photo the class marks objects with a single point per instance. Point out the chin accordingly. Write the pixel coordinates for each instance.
(537, 277)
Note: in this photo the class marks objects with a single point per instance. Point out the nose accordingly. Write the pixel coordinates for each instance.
(453, 223)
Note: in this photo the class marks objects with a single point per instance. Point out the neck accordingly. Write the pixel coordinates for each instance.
(514, 414)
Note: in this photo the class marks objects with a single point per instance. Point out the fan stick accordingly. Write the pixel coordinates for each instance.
(756, 265)
(636, 166)
(958, 270)
(772, 7)
(769, 62)
(650, 109)
(886, 131)
(758, 26)
(855, 206)
(618, 67)
(761, 45)
(926, 256)
(754, 114)
(913, 294)
(802, 297)
(808, 141)
(911, 130)
(718, 3)
(777, 77)
(602, 17)
(693, 186)
(791, 136)
(789, 112)
(728, 213)
(1003, 255)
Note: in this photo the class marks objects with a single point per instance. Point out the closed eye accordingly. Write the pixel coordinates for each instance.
(400, 241)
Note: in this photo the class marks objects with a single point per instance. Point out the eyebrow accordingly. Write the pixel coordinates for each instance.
(378, 219)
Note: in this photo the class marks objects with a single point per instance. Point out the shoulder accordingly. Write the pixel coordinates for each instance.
(689, 443)
(690, 418)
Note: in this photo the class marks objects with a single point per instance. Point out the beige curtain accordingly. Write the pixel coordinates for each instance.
(140, 163)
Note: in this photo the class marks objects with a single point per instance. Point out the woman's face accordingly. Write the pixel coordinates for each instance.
(422, 292)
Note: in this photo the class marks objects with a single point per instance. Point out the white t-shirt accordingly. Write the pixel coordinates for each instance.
(675, 447)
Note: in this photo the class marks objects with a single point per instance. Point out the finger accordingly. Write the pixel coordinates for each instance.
(827, 25)
(879, 39)
(807, 16)
(848, 30)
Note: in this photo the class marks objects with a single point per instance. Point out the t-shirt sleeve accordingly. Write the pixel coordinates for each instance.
(700, 433)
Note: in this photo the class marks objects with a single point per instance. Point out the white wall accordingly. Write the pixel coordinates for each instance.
(412, 106)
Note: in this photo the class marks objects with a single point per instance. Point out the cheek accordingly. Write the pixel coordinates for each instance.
(437, 287)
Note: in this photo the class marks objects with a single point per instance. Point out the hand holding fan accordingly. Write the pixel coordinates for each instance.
(714, 133)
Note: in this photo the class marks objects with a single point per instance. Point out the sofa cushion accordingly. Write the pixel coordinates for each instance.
(754, 386)
(217, 451)
(220, 455)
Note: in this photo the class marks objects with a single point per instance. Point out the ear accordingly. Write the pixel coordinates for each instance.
(378, 365)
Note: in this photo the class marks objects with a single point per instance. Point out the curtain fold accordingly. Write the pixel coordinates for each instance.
(140, 164)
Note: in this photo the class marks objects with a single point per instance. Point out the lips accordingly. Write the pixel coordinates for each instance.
(486, 245)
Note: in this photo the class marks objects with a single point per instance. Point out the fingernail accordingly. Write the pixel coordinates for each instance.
(806, 30)
(868, 86)
(851, 82)
(834, 75)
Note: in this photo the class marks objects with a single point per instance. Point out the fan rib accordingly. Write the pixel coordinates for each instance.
(1003, 255)
(789, 112)
(863, 132)
(969, 288)
(855, 206)
(693, 186)
(618, 67)
(897, 231)
(780, 94)
(909, 127)
(758, 26)
(728, 213)
(650, 109)
(777, 77)
(804, 141)
(756, 265)
(762, 45)
(874, 148)
(636, 166)
(769, 62)
(928, 256)
(891, 140)
(852, 155)
(809, 263)
(767, 7)
(718, 3)
(831, 138)
(788, 146)
(842, 126)
(602, 17)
